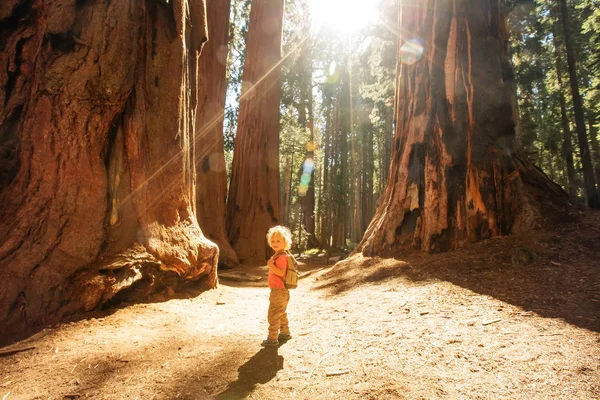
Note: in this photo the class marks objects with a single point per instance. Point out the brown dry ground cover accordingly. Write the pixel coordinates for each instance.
(508, 318)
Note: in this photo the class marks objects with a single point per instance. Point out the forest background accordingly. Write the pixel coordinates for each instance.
(345, 83)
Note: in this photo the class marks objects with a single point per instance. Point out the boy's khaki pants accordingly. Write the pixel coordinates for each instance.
(278, 301)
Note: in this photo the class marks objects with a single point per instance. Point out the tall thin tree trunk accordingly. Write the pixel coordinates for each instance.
(355, 179)
(299, 226)
(211, 188)
(325, 202)
(253, 203)
(345, 106)
(101, 98)
(337, 222)
(567, 144)
(287, 192)
(595, 146)
(368, 162)
(550, 165)
(592, 195)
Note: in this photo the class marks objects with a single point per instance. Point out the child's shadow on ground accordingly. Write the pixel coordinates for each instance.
(260, 368)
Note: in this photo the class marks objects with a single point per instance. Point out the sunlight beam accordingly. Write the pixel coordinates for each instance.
(216, 119)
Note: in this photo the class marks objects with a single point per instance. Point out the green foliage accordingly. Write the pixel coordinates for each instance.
(590, 30)
(537, 49)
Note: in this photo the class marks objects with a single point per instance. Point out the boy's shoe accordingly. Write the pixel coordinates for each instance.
(285, 336)
(270, 343)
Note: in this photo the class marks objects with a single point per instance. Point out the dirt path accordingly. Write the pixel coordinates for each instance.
(366, 329)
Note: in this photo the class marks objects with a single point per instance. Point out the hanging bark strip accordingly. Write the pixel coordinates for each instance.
(100, 97)
(456, 175)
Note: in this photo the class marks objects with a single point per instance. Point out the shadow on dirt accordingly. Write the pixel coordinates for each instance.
(260, 368)
(554, 274)
(244, 276)
(133, 295)
(353, 272)
(208, 373)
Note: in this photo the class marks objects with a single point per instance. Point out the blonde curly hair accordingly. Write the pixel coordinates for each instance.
(282, 231)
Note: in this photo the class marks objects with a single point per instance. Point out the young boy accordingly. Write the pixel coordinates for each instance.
(280, 240)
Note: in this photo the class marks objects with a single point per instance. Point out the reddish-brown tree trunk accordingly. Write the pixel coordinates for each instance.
(368, 189)
(336, 222)
(342, 220)
(253, 202)
(385, 159)
(287, 187)
(455, 176)
(325, 198)
(595, 147)
(99, 98)
(211, 188)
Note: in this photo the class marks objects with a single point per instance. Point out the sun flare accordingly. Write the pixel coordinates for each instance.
(344, 16)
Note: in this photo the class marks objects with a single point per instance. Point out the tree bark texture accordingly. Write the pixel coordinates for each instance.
(211, 188)
(96, 97)
(567, 142)
(325, 198)
(591, 192)
(368, 189)
(253, 204)
(456, 175)
(595, 147)
(344, 108)
(286, 200)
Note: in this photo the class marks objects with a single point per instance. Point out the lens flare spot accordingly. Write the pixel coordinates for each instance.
(302, 190)
(332, 68)
(308, 166)
(305, 179)
(411, 51)
(333, 75)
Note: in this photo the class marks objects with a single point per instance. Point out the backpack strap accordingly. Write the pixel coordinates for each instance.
(275, 257)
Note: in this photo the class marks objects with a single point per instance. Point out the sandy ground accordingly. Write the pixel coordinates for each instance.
(508, 318)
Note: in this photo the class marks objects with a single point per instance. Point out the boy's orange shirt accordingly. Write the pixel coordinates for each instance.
(277, 282)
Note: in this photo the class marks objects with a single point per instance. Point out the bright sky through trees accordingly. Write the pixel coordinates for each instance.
(343, 16)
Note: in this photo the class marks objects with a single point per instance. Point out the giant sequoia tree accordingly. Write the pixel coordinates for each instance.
(457, 174)
(253, 202)
(97, 119)
(211, 188)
